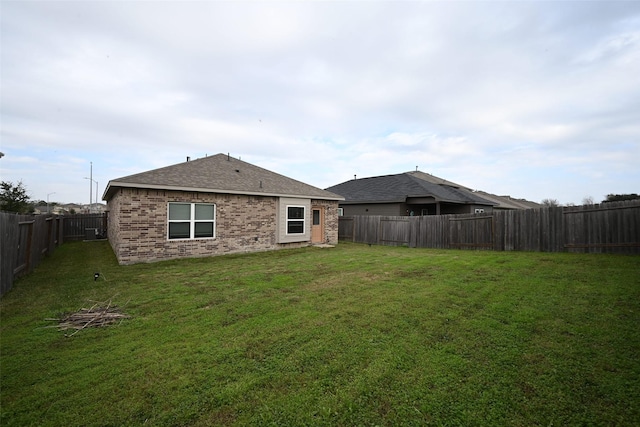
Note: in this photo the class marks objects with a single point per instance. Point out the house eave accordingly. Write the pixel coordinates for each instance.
(111, 188)
(436, 199)
(469, 202)
(369, 202)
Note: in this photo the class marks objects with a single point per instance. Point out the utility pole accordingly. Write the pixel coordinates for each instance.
(90, 185)
(91, 181)
(48, 200)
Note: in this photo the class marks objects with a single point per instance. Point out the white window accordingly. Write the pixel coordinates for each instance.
(340, 211)
(192, 220)
(295, 219)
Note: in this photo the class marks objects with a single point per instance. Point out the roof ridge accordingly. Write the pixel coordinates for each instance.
(223, 174)
(436, 179)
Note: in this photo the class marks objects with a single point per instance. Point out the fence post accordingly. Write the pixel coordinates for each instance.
(354, 222)
(29, 242)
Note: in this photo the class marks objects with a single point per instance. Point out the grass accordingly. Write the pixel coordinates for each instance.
(352, 335)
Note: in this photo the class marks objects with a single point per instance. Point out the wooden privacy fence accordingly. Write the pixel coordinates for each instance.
(608, 227)
(26, 239)
(80, 227)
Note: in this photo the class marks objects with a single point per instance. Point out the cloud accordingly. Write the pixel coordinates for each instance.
(538, 99)
(624, 48)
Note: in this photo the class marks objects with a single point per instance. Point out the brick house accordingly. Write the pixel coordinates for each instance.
(212, 206)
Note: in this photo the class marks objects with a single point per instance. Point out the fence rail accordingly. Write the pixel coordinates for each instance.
(608, 227)
(25, 240)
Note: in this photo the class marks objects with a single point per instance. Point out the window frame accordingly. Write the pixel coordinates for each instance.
(303, 220)
(192, 221)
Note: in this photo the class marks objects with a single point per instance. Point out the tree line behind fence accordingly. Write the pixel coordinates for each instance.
(607, 227)
(28, 239)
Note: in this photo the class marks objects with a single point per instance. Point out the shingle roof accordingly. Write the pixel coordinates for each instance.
(508, 202)
(219, 174)
(397, 188)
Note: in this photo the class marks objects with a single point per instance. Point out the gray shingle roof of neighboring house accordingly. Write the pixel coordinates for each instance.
(219, 174)
(508, 202)
(399, 187)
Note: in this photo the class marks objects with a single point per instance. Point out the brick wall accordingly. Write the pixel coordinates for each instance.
(138, 225)
(330, 219)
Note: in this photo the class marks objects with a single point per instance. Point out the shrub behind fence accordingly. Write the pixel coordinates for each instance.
(608, 227)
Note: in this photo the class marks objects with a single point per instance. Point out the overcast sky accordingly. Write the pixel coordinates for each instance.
(531, 99)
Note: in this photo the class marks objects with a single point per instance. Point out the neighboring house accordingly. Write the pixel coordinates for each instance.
(51, 209)
(212, 206)
(74, 208)
(409, 193)
(94, 208)
(508, 202)
(71, 208)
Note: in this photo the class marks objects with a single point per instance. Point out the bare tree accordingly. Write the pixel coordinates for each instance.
(588, 200)
(551, 202)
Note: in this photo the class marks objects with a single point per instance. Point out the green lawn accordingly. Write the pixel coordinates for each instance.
(352, 335)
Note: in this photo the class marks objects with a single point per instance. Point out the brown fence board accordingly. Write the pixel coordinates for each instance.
(394, 231)
(9, 234)
(345, 229)
(75, 226)
(603, 228)
(609, 227)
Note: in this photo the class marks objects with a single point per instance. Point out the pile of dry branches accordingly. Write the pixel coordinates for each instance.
(100, 314)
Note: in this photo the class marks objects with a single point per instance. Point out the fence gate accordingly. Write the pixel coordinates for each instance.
(76, 226)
